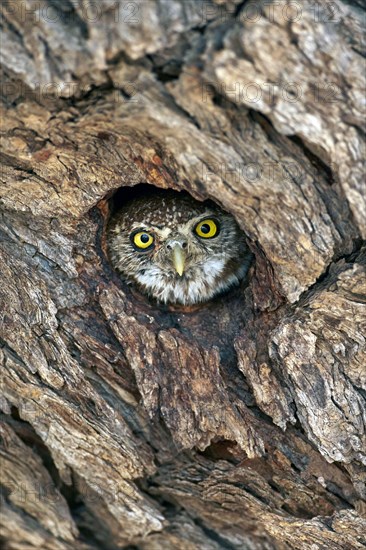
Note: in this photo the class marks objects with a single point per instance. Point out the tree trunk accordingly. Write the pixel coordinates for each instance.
(236, 424)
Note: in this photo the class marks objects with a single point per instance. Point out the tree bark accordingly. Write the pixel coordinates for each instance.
(236, 424)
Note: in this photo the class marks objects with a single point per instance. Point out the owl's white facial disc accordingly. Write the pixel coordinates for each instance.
(144, 234)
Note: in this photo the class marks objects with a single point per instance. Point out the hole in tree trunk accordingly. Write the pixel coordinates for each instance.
(174, 249)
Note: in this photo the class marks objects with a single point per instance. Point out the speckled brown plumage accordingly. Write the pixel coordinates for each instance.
(211, 265)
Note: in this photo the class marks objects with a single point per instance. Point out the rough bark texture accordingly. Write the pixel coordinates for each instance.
(236, 424)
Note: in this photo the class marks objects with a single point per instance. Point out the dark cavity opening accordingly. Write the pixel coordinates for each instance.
(125, 194)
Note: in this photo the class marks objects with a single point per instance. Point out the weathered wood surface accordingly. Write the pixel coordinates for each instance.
(238, 424)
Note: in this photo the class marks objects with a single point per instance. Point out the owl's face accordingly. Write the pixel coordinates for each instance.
(177, 249)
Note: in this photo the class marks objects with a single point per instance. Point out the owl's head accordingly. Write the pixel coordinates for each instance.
(176, 249)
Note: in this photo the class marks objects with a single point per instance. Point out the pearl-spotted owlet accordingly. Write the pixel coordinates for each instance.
(176, 249)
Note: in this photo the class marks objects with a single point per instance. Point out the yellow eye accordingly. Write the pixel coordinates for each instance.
(207, 229)
(142, 240)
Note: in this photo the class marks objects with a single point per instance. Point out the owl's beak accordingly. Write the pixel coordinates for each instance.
(179, 258)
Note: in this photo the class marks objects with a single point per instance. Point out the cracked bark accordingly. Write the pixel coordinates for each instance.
(237, 424)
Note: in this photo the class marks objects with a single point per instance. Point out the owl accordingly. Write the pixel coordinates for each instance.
(176, 249)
